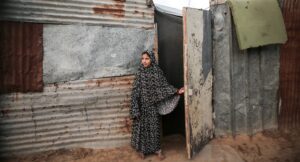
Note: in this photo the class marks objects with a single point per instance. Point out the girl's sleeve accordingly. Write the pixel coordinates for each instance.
(165, 87)
(135, 108)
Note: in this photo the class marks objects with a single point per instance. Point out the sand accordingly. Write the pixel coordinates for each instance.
(268, 146)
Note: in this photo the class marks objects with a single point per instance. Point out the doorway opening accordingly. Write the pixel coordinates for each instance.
(170, 53)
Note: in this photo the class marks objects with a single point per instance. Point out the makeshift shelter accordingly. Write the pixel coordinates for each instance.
(67, 71)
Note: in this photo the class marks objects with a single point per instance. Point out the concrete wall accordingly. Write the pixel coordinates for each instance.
(245, 91)
(74, 52)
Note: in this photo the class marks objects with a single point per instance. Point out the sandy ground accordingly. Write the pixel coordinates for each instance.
(271, 146)
(268, 146)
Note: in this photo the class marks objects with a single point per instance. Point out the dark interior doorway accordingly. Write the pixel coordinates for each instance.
(170, 52)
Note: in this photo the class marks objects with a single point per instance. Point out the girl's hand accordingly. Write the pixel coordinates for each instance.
(180, 91)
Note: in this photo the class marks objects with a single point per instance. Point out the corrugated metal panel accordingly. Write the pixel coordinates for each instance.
(93, 113)
(246, 82)
(21, 57)
(133, 13)
(290, 68)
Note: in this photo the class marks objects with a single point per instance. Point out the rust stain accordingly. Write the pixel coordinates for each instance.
(89, 83)
(98, 82)
(138, 12)
(21, 57)
(5, 112)
(56, 86)
(116, 10)
(111, 81)
(128, 124)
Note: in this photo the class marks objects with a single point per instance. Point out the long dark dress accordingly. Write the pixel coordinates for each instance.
(150, 87)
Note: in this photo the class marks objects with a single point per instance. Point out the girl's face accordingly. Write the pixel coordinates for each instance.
(146, 60)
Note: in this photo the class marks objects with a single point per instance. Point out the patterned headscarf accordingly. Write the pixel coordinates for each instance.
(150, 87)
(152, 58)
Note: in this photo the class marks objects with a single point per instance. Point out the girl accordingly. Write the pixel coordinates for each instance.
(150, 89)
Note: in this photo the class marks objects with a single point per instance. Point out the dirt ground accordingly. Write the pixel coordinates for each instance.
(270, 146)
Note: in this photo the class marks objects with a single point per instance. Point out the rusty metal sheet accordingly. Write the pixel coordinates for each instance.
(197, 79)
(21, 57)
(133, 13)
(87, 113)
(289, 117)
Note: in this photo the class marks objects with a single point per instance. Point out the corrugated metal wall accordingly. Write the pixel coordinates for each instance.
(21, 56)
(245, 90)
(88, 112)
(92, 113)
(134, 13)
(289, 116)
